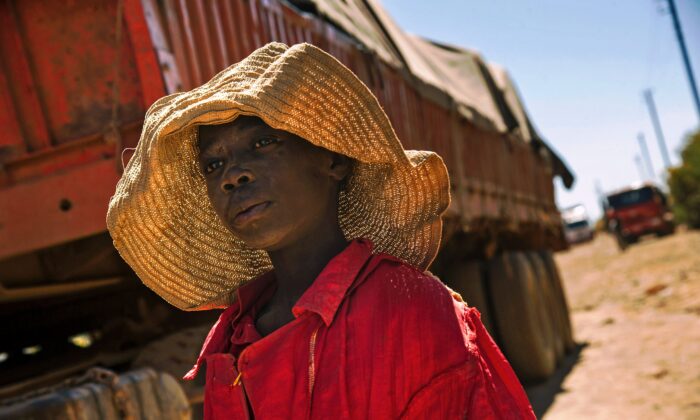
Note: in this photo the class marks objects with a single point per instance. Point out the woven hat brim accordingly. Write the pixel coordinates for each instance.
(161, 219)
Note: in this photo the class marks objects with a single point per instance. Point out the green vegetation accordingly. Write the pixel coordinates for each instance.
(684, 183)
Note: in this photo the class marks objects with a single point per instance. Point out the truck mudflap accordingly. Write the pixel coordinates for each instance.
(102, 394)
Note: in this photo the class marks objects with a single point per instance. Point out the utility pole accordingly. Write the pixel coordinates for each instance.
(598, 189)
(657, 127)
(645, 155)
(684, 53)
(640, 167)
(603, 201)
(601, 195)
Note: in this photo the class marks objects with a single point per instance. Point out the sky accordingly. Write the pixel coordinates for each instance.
(581, 67)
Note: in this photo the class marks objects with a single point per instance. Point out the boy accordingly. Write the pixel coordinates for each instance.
(279, 191)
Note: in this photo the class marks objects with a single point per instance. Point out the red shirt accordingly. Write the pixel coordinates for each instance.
(372, 337)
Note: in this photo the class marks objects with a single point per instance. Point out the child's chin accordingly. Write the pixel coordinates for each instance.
(267, 241)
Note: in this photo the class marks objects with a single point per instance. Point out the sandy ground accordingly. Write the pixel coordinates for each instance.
(636, 316)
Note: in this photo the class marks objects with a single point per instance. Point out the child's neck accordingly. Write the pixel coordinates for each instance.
(297, 266)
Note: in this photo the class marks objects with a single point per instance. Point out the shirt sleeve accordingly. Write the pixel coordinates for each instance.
(484, 387)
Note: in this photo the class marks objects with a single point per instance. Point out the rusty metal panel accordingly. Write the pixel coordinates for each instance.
(414, 115)
(147, 64)
(20, 81)
(75, 153)
(70, 66)
(177, 42)
(231, 39)
(216, 29)
(191, 57)
(38, 215)
(204, 43)
(72, 79)
(260, 23)
(11, 141)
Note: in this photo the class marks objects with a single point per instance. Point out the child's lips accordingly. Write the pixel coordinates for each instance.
(251, 213)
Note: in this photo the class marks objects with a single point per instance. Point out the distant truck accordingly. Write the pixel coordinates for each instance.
(638, 210)
(577, 225)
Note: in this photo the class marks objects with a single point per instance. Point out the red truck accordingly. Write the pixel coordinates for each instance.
(638, 210)
(76, 79)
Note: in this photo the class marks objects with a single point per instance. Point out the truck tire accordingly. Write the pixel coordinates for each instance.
(622, 242)
(560, 294)
(102, 394)
(464, 277)
(552, 304)
(520, 316)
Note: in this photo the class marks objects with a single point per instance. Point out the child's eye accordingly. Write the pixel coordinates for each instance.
(213, 165)
(265, 141)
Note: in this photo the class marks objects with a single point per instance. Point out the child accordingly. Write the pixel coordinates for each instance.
(279, 191)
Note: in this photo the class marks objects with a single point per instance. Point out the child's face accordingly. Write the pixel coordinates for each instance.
(270, 187)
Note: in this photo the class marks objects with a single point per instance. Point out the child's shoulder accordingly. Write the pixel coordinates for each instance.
(412, 307)
(394, 284)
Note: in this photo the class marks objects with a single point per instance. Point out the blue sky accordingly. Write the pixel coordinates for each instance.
(581, 67)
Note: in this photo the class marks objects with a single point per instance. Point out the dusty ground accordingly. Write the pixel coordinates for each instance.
(636, 316)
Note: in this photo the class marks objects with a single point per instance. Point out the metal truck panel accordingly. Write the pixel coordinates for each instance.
(81, 76)
(43, 211)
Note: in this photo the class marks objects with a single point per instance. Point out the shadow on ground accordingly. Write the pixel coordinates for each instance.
(542, 394)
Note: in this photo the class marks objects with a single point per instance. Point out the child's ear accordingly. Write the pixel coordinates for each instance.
(340, 167)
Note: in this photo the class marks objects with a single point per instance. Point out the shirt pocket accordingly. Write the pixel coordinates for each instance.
(223, 395)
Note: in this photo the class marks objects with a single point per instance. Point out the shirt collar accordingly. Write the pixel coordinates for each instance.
(327, 292)
(218, 339)
(323, 297)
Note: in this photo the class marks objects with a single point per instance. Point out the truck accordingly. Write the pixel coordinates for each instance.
(577, 225)
(75, 82)
(637, 210)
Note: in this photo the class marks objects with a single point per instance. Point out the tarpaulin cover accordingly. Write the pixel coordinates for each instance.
(458, 73)
(454, 72)
(355, 18)
(512, 98)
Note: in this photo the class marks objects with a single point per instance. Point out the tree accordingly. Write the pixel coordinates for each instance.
(684, 183)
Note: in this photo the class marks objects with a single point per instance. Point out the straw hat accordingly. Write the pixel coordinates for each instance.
(164, 226)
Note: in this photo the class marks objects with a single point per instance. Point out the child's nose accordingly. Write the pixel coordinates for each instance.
(235, 177)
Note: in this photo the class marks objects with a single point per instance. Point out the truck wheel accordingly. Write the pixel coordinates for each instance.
(520, 317)
(464, 277)
(561, 301)
(622, 243)
(668, 230)
(103, 394)
(551, 303)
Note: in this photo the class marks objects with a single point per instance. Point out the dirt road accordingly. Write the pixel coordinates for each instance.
(636, 316)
